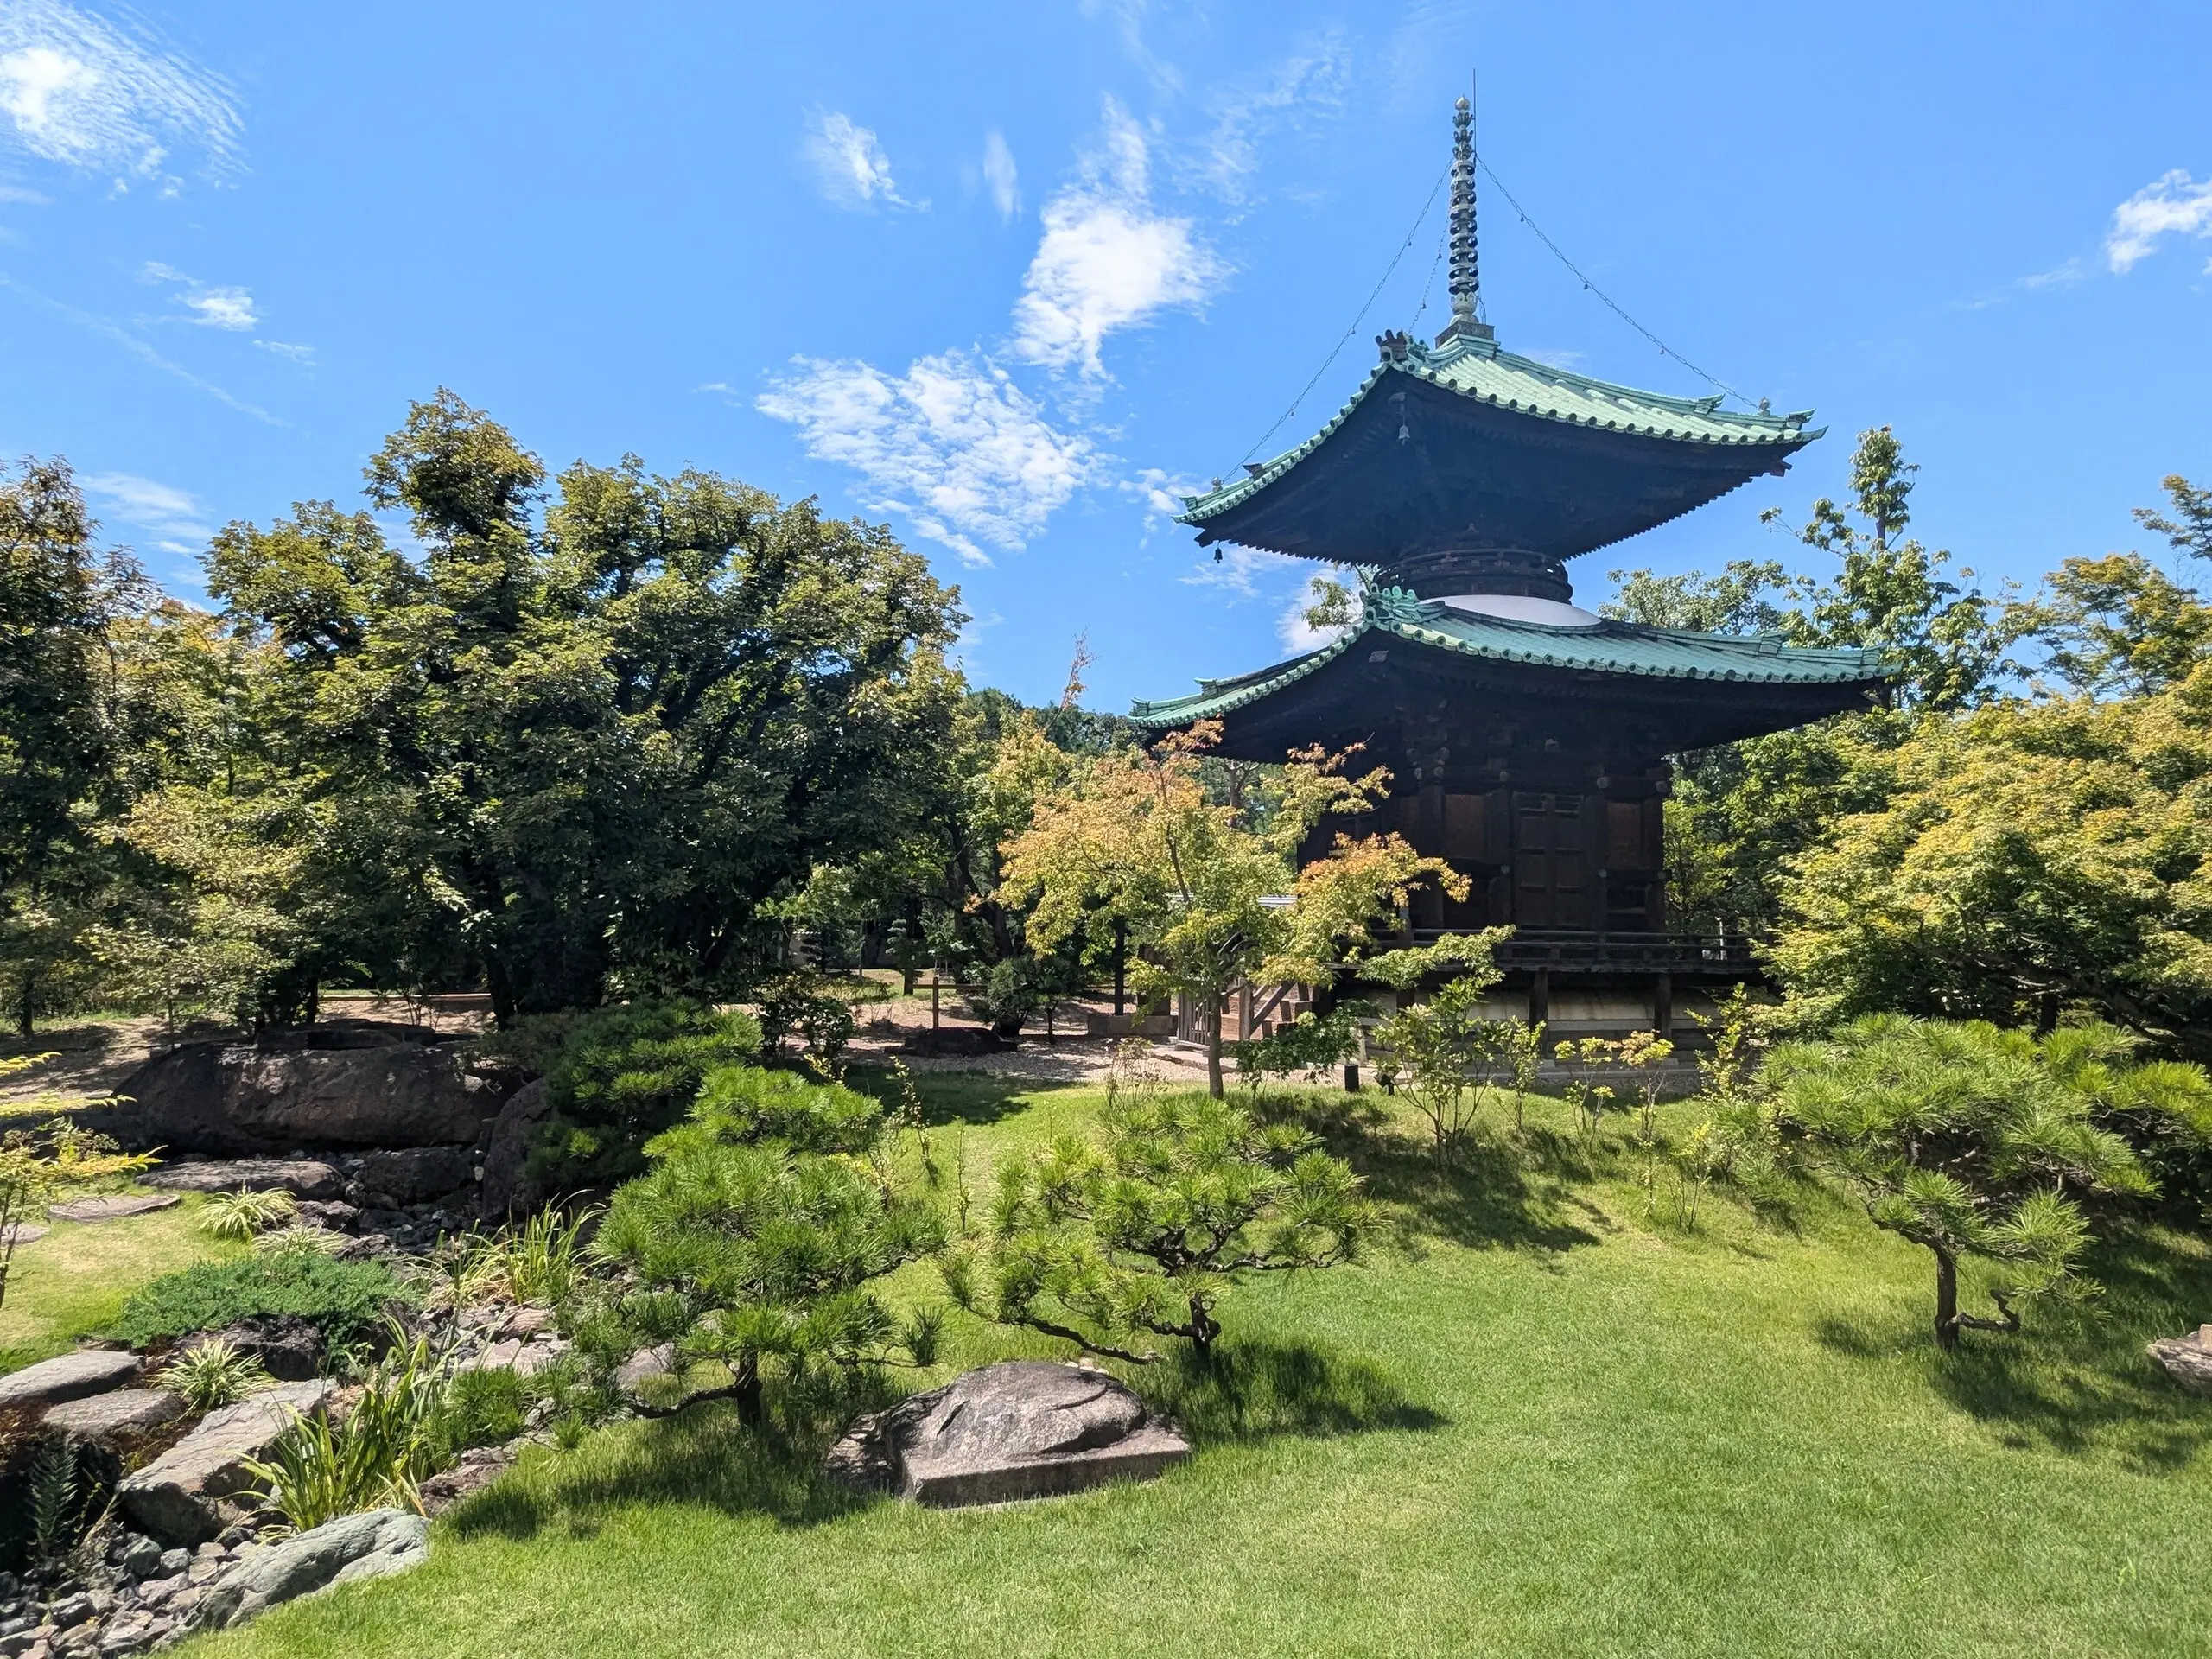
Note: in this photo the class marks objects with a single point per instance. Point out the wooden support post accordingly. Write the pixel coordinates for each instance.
(1663, 1006)
(936, 986)
(1244, 1011)
(1120, 963)
(1540, 997)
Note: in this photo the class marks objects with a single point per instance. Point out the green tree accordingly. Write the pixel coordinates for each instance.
(592, 752)
(1210, 893)
(2020, 858)
(757, 1234)
(2117, 627)
(1967, 1140)
(1098, 1244)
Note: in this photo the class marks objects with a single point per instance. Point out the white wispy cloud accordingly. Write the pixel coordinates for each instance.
(1127, 18)
(229, 309)
(1305, 87)
(176, 516)
(1239, 573)
(2172, 204)
(999, 174)
(138, 348)
(291, 352)
(85, 93)
(849, 163)
(1107, 260)
(953, 446)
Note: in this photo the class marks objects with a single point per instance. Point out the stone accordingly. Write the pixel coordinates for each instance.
(237, 1101)
(69, 1610)
(303, 1177)
(127, 1634)
(140, 1557)
(508, 1188)
(2187, 1359)
(68, 1377)
(175, 1560)
(344, 1551)
(122, 1415)
(632, 1376)
(174, 1497)
(477, 1469)
(332, 1213)
(110, 1209)
(1024, 1428)
(527, 1321)
(524, 1358)
(289, 1348)
(21, 1232)
(415, 1175)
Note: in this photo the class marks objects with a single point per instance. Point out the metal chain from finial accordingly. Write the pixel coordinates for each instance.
(1466, 268)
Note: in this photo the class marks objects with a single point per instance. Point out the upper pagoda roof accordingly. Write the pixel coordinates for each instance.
(1468, 445)
(1630, 649)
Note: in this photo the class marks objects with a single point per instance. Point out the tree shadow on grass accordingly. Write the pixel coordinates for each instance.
(2076, 1381)
(1484, 1197)
(972, 1097)
(1256, 1389)
(702, 1456)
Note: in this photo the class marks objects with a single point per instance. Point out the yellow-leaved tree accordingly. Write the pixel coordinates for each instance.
(1210, 890)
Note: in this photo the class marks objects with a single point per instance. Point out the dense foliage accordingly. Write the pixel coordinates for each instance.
(346, 1300)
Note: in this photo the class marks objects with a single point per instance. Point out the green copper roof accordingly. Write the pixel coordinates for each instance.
(1607, 647)
(1481, 369)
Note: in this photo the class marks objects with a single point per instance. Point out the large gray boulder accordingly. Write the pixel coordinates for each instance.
(390, 1181)
(1025, 1428)
(235, 1101)
(174, 1497)
(508, 1188)
(351, 1547)
(68, 1377)
(303, 1177)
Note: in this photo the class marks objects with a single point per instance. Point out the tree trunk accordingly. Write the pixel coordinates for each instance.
(749, 1411)
(1946, 1300)
(1204, 1329)
(26, 1006)
(1213, 1045)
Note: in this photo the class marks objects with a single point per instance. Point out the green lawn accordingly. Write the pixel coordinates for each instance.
(1535, 1422)
(77, 1278)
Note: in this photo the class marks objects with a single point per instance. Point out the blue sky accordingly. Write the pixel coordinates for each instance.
(1006, 275)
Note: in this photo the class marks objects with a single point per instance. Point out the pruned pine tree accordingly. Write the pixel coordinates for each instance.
(756, 1235)
(1106, 1245)
(1974, 1142)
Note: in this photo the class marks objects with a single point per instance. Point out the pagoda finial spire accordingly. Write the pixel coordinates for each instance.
(1467, 284)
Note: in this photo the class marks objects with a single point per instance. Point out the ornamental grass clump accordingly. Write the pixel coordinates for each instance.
(217, 1372)
(373, 1456)
(241, 1215)
(1138, 1234)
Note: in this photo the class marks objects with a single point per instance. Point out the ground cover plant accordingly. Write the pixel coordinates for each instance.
(346, 1300)
(1654, 1437)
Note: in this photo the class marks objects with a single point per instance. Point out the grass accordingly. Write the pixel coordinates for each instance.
(1537, 1423)
(76, 1279)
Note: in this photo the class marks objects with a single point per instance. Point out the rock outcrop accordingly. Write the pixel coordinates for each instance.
(390, 1181)
(351, 1547)
(1025, 1428)
(235, 1101)
(122, 1415)
(68, 1377)
(289, 1348)
(303, 1177)
(174, 1497)
(507, 1188)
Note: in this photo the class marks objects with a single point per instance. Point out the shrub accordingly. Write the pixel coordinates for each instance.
(623, 1075)
(240, 1215)
(342, 1299)
(802, 1004)
(482, 1408)
(212, 1374)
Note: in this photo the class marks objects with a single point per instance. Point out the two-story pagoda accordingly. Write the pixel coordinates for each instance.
(1528, 738)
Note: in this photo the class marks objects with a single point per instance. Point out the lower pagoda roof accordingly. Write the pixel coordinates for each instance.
(1469, 446)
(1626, 651)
